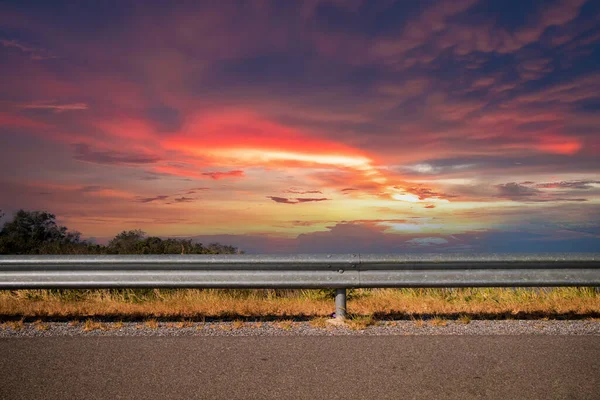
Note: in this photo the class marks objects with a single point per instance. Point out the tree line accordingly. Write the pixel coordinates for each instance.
(36, 232)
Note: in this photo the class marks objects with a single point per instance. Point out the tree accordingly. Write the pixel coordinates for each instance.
(36, 232)
(127, 242)
(218, 248)
(30, 231)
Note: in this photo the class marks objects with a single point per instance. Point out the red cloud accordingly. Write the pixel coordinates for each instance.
(244, 137)
(560, 145)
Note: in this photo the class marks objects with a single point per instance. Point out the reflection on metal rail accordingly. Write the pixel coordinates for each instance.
(300, 271)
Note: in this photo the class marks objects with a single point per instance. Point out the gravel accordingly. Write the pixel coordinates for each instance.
(300, 328)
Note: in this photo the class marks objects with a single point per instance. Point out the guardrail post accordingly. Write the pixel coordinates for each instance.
(340, 304)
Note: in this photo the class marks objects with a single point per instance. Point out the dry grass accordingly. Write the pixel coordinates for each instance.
(15, 325)
(360, 322)
(319, 322)
(285, 324)
(151, 324)
(184, 324)
(437, 321)
(91, 325)
(40, 326)
(464, 319)
(419, 323)
(238, 324)
(310, 304)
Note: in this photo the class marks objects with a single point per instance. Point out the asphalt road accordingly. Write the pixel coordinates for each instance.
(392, 367)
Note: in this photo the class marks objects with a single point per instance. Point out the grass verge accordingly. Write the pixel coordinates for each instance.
(463, 304)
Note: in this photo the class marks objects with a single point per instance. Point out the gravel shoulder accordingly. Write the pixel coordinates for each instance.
(289, 328)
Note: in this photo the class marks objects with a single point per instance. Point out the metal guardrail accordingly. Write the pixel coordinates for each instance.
(300, 271)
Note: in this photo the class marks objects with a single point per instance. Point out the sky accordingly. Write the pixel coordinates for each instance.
(307, 126)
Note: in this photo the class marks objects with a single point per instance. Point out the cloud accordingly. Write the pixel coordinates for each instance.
(307, 200)
(91, 188)
(20, 122)
(33, 53)
(530, 191)
(344, 238)
(513, 190)
(388, 109)
(297, 191)
(151, 199)
(84, 152)
(535, 68)
(183, 199)
(226, 174)
(56, 107)
(297, 200)
(284, 200)
(427, 241)
(419, 193)
(587, 184)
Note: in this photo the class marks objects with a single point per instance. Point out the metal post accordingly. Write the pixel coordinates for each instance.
(340, 304)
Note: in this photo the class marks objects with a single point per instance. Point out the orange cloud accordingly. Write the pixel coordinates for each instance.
(244, 138)
(560, 145)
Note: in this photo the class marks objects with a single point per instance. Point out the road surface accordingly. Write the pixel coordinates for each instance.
(301, 367)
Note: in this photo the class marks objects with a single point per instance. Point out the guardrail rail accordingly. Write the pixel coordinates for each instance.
(340, 272)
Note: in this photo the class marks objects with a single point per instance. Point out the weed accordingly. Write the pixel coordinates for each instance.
(40, 326)
(419, 323)
(183, 324)
(437, 321)
(16, 325)
(151, 323)
(91, 325)
(237, 324)
(464, 319)
(285, 324)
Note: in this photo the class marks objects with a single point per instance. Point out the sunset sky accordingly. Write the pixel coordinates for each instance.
(307, 126)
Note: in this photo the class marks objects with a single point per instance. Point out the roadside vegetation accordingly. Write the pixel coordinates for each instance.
(36, 232)
(463, 304)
